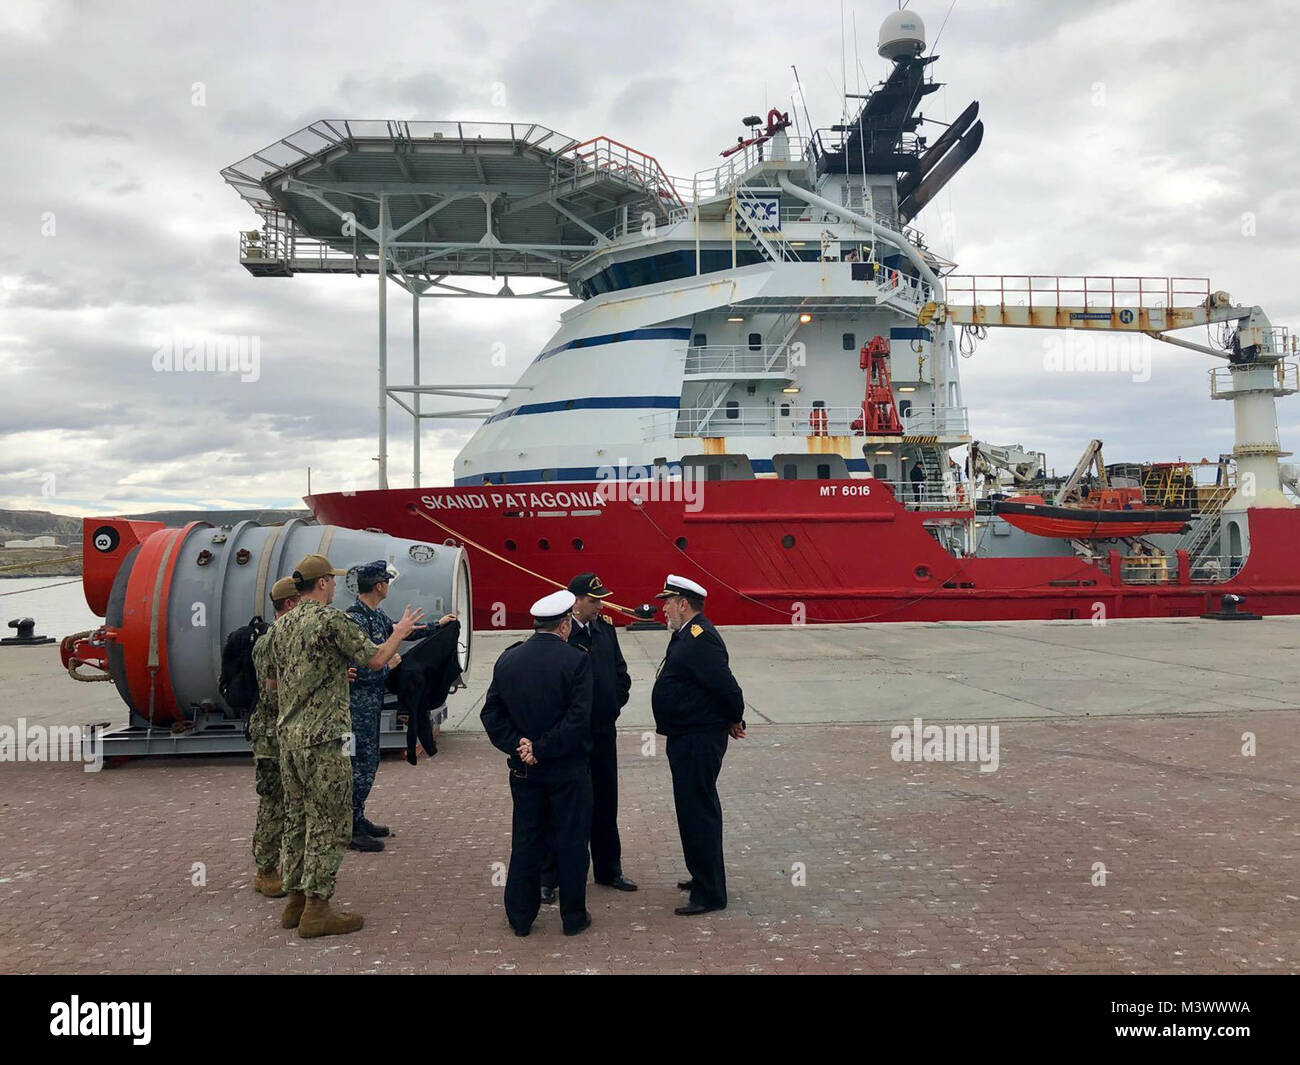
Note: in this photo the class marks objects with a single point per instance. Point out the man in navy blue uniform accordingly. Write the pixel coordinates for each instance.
(538, 711)
(611, 685)
(367, 700)
(697, 704)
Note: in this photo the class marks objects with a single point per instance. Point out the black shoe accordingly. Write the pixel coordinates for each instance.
(362, 842)
(692, 909)
(586, 923)
(372, 829)
(548, 896)
(521, 932)
(685, 885)
(619, 883)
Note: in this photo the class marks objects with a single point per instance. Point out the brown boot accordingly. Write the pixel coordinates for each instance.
(269, 884)
(293, 911)
(319, 920)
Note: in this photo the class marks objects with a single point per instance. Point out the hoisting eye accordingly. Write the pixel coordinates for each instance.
(105, 539)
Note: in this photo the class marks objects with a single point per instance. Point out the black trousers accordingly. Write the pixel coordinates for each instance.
(695, 759)
(606, 848)
(562, 810)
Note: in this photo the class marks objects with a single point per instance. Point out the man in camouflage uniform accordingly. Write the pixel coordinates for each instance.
(367, 700)
(269, 829)
(313, 647)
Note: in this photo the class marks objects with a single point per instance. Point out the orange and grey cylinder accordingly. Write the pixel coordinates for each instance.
(171, 596)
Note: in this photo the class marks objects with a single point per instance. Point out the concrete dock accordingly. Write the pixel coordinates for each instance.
(1141, 818)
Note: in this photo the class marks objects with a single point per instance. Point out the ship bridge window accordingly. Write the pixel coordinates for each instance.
(785, 410)
(803, 467)
(700, 340)
(849, 341)
(733, 408)
(904, 407)
(670, 266)
(718, 467)
(755, 341)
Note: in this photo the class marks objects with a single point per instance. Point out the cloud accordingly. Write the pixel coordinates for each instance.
(1121, 137)
(91, 130)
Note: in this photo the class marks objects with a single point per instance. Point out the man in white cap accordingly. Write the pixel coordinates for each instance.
(538, 711)
(697, 704)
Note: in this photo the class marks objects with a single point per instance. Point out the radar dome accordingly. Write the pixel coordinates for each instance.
(902, 36)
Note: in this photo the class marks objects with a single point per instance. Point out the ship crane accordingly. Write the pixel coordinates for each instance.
(987, 459)
(1091, 456)
(1256, 375)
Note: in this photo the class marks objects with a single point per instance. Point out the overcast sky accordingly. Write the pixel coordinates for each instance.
(1120, 137)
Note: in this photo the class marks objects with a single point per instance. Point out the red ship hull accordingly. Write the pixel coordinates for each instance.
(777, 552)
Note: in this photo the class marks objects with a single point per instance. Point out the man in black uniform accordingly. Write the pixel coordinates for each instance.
(538, 710)
(697, 705)
(611, 684)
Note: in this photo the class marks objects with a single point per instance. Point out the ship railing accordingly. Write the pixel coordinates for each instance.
(721, 179)
(1149, 569)
(1163, 569)
(949, 421)
(778, 419)
(820, 216)
(895, 283)
(1101, 292)
(782, 419)
(810, 215)
(738, 359)
(1225, 382)
(605, 155)
(275, 241)
(1214, 569)
(930, 495)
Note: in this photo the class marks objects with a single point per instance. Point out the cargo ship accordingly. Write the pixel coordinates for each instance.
(759, 387)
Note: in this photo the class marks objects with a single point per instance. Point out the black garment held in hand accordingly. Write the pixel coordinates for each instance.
(696, 700)
(611, 686)
(542, 688)
(428, 673)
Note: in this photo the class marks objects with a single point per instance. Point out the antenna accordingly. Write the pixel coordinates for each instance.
(803, 98)
(844, 81)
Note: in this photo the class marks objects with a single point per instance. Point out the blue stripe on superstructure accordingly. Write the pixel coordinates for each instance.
(655, 333)
(591, 403)
(590, 473)
(914, 333)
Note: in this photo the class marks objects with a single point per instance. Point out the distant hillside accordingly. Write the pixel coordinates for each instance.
(26, 524)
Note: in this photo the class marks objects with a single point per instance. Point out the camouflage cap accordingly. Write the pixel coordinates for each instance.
(315, 566)
(284, 588)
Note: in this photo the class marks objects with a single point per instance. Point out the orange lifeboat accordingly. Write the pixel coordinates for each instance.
(1107, 514)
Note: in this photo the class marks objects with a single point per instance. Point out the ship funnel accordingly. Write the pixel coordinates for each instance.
(902, 36)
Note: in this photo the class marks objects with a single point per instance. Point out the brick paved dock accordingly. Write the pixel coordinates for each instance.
(1120, 746)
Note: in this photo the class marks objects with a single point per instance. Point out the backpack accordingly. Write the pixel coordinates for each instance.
(238, 682)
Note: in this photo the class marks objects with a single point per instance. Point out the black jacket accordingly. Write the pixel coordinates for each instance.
(541, 688)
(695, 690)
(429, 672)
(610, 683)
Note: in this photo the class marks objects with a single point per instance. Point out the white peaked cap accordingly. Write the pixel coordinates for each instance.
(555, 605)
(676, 585)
